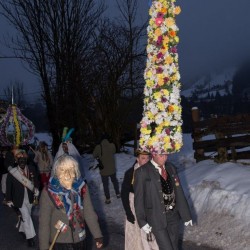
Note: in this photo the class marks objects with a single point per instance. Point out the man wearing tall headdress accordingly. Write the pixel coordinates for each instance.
(160, 202)
(20, 179)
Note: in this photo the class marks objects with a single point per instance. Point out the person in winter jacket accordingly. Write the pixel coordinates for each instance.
(105, 151)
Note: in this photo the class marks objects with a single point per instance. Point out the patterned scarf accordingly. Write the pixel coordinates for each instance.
(70, 201)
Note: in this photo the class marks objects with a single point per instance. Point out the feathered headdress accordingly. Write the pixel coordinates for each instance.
(66, 134)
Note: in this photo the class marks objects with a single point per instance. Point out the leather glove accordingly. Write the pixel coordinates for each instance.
(190, 222)
(99, 242)
(147, 229)
(131, 218)
(9, 204)
(36, 192)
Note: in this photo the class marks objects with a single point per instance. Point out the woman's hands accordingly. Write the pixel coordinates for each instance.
(99, 242)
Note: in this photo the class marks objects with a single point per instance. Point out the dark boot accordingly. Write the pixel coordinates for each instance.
(31, 242)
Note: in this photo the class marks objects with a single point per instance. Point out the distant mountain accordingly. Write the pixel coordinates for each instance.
(211, 84)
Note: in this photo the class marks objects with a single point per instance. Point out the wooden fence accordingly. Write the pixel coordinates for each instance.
(221, 138)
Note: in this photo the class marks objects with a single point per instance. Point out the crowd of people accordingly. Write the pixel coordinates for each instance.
(151, 194)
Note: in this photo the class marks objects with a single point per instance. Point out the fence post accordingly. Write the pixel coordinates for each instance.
(199, 153)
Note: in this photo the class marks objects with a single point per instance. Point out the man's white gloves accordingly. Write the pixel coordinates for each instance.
(190, 222)
(9, 204)
(36, 192)
(147, 229)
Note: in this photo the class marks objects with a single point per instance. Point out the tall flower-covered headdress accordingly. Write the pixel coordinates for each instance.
(161, 123)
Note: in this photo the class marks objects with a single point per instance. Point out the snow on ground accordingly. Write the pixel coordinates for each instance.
(218, 194)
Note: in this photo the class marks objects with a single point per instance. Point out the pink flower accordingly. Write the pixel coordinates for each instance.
(173, 50)
(160, 15)
(158, 21)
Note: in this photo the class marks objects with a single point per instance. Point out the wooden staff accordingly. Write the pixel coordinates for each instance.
(32, 150)
(61, 227)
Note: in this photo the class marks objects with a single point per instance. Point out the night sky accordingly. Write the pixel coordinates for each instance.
(214, 35)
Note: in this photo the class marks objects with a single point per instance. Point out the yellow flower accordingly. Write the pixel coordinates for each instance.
(160, 81)
(178, 146)
(149, 73)
(160, 106)
(146, 100)
(149, 115)
(152, 140)
(158, 129)
(170, 22)
(151, 22)
(166, 139)
(177, 108)
(166, 124)
(166, 40)
(179, 129)
(17, 127)
(145, 131)
(141, 141)
(177, 10)
(157, 95)
(169, 59)
(176, 38)
(149, 83)
(158, 32)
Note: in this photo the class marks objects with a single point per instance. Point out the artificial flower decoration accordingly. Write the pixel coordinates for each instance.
(161, 123)
(15, 128)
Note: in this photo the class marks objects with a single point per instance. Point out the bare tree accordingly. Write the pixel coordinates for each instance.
(55, 38)
(119, 84)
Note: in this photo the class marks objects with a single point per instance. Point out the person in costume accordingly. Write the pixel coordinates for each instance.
(44, 160)
(160, 202)
(67, 147)
(67, 199)
(21, 188)
(135, 238)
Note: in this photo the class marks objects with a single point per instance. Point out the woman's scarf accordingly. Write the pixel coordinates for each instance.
(69, 200)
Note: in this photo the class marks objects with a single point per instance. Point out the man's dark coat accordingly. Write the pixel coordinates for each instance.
(149, 204)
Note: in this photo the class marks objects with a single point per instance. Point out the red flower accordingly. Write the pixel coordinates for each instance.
(159, 70)
(160, 55)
